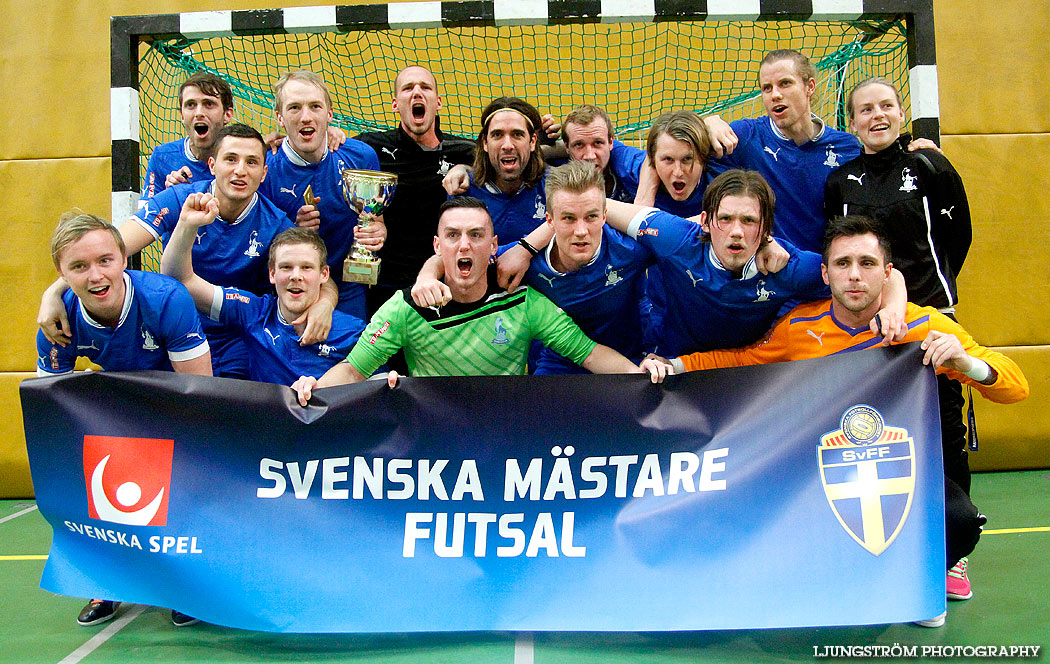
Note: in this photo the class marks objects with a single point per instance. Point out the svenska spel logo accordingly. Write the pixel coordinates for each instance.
(128, 479)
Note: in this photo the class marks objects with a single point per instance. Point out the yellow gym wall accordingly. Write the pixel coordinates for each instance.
(54, 155)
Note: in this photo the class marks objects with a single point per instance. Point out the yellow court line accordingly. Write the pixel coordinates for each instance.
(1009, 531)
(23, 557)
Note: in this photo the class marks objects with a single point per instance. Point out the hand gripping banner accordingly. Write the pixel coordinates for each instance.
(797, 494)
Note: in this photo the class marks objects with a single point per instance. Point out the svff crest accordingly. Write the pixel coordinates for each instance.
(867, 470)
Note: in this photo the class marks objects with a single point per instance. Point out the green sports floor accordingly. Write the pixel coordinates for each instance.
(1009, 571)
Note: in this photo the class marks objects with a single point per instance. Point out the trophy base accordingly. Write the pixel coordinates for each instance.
(361, 272)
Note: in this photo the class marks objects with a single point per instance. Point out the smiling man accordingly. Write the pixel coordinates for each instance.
(205, 107)
(297, 269)
(482, 331)
(230, 253)
(856, 265)
(304, 108)
(122, 320)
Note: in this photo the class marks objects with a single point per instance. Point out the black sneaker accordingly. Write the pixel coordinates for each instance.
(182, 620)
(97, 612)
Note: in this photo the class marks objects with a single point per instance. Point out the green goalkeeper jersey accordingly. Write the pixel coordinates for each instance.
(489, 337)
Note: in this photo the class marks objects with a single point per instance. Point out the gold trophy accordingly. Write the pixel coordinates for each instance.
(368, 193)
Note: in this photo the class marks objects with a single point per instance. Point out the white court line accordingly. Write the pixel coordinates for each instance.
(18, 514)
(523, 648)
(97, 640)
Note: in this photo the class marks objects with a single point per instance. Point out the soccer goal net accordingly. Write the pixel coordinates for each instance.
(555, 54)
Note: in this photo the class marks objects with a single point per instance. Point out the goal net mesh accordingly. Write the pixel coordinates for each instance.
(635, 71)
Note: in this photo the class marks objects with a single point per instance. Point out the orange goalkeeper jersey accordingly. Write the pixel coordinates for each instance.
(811, 330)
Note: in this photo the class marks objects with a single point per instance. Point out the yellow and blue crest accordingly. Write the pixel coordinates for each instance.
(867, 470)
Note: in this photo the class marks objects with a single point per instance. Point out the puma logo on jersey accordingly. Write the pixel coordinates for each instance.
(858, 178)
(286, 190)
(775, 158)
(819, 338)
(389, 152)
(550, 280)
(92, 346)
(948, 211)
(200, 236)
(273, 339)
(695, 280)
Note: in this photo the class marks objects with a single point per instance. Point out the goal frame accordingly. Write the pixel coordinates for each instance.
(127, 33)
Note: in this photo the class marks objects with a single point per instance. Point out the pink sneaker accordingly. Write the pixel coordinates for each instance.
(958, 582)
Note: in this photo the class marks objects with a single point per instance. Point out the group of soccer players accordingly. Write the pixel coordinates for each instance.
(656, 260)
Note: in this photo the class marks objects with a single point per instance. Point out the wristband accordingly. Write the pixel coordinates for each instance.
(979, 371)
(533, 251)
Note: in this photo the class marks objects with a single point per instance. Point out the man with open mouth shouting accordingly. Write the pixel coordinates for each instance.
(509, 167)
(420, 154)
(205, 106)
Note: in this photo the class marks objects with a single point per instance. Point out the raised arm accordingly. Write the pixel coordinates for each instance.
(318, 317)
(429, 290)
(648, 184)
(457, 180)
(723, 138)
(177, 261)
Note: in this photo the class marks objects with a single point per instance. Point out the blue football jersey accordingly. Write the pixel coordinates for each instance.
(274, 353)
(158, 325)
(169, 157)
(513, 215)
(227, 252)
(797, 173)
(603, 297)
(286, 181)
(711, 308)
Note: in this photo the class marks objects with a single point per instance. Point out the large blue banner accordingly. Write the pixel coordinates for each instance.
(798, 494)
